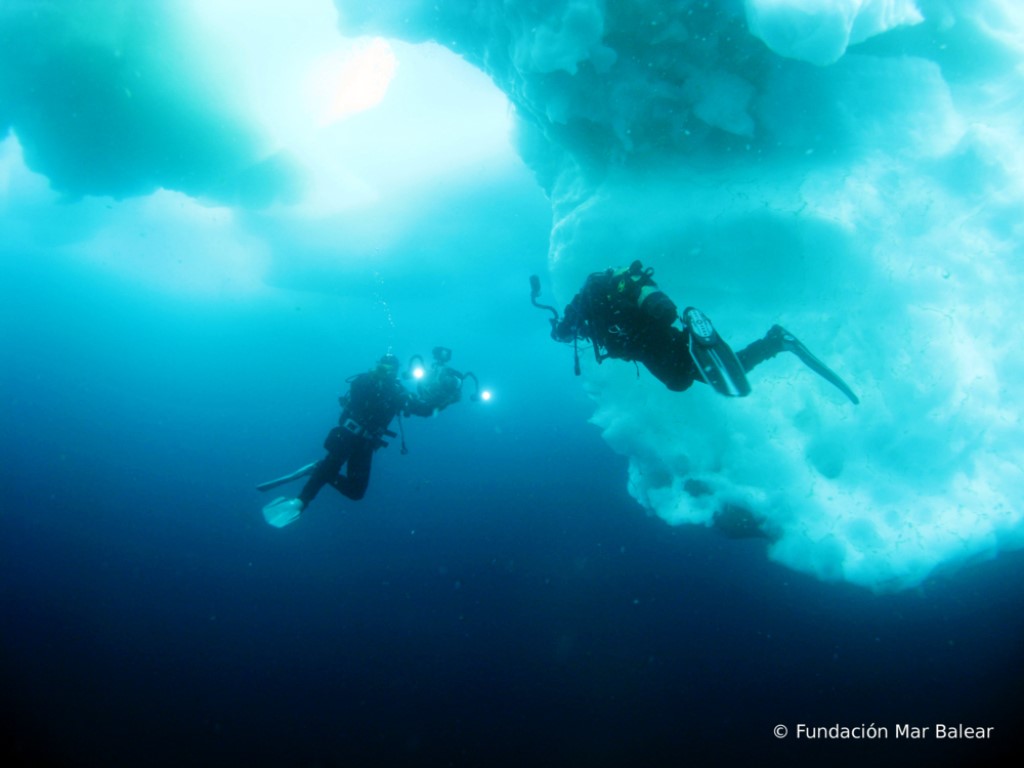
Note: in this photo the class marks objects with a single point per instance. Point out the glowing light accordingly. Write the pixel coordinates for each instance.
(353, 81)
(418, 372)
(485, 395)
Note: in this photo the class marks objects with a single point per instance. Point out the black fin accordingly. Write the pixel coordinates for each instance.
(791, 343)
(301, 472)
(717, 363)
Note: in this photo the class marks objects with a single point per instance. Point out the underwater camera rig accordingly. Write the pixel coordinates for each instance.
(440, 385)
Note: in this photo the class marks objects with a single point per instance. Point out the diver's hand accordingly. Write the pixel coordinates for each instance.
(564, 332)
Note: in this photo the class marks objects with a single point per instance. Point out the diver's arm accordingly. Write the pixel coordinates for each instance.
(413, 406)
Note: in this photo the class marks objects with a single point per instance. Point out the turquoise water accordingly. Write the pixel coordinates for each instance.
(184, 290)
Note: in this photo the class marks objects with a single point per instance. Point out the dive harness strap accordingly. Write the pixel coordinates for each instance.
(401, 428)
(376, 437)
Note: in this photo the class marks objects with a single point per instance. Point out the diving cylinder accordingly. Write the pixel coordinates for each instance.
(656, 305)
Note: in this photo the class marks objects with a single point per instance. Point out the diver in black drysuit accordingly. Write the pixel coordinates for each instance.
(625, 316)
(373, 400)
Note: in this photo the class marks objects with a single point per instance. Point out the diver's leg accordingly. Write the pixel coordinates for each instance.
(666, 354)
(357, 475)
(763, 349)
(338, 445)
(326, 470)
(778, 339)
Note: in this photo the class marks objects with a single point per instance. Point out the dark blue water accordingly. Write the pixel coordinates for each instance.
(497, 598)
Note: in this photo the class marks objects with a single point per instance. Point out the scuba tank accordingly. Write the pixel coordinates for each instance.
(636, 285)
(623, 307)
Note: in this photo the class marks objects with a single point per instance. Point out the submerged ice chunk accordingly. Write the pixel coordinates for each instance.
(819, 31)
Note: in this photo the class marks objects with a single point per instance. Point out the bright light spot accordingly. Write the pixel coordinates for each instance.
(485, 395)
(371, 161)
(418, 372)
(370, 121)
(343, 83)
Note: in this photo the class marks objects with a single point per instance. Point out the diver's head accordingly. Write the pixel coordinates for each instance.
(387, 367)
(441, 355)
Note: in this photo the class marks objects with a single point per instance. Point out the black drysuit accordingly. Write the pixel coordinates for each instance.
(373, 400)
(623, 313)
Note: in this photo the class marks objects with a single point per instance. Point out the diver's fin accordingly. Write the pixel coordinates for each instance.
(282, 511)
(791, 343)
(301, 472)
(717, 363)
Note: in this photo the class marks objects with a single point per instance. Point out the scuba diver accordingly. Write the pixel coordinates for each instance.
(372, 401)
(440, 385)
(625, 316)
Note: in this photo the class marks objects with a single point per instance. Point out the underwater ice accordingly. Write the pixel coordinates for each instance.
(850, 169)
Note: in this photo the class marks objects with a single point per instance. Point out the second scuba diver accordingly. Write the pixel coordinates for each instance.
(372, 401)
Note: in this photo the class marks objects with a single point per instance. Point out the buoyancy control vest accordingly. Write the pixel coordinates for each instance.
(636, 285)
(372, 401)
(623, 304)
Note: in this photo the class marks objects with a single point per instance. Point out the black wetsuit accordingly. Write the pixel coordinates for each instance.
(373, 400)
(624, 315)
